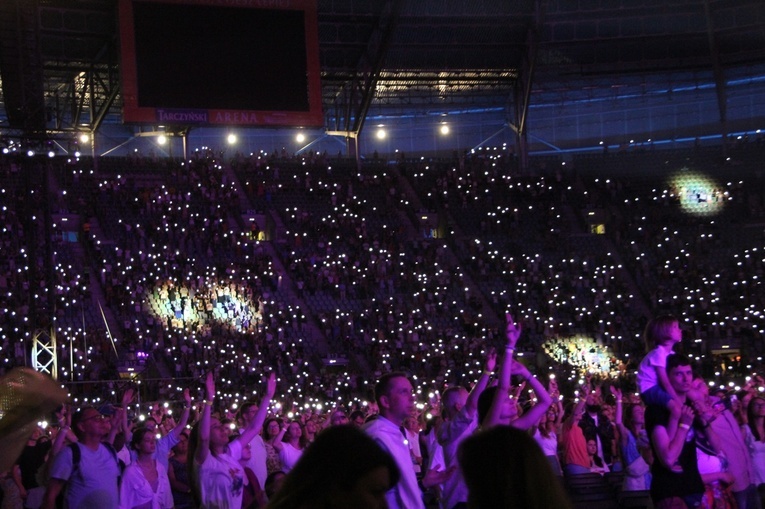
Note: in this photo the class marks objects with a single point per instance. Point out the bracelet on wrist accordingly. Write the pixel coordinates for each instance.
(684, 426)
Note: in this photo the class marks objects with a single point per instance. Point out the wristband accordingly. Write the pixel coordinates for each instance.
(684, 426)
(487, 373)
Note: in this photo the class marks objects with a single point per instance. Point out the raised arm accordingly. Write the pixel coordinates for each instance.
(260, 416)
(544, 400)
(512, 333)
(116, 424)
(619, 416)
(177, 430)
(472, 400)
(127, 398)
(203, 437)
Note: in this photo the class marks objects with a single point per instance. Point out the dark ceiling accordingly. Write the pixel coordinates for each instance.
(396, 52)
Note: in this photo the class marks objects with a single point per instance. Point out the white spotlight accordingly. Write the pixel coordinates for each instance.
(300, 138)
(231, 139)
(162, 139)
(444, 129)
(84, 138)
(381, 134)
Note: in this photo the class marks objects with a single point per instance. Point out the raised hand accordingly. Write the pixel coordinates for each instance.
(210, 386)
(127, 397)
(271, 385)
(512, 331)
(491, 361)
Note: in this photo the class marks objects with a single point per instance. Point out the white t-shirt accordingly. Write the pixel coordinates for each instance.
(135, 490)
(646, 375)
(221, 479)
(257, 462)
(289, 456)
(549, 445)
(757, 450)
(94, 483)
(406, 494)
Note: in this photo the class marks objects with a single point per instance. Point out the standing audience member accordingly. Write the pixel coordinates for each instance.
(144, 482)
(576, 460)
(597, 465)
(460, 420)
(548, 430)
(394, 397)
(178, 474)
(732, 446)
(598, 427)
(495, 404)
(676, 482)
(252, 496)
(168, 440)
(633, 444)
(273, 432)
(258, 453)
(90, 474)
(217, 475)
(754, 433)
(289, 448)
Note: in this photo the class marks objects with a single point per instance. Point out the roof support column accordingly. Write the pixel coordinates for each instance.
(522, 87)
(719, 75)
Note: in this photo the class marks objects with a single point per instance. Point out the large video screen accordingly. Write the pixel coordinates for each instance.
(220, 62)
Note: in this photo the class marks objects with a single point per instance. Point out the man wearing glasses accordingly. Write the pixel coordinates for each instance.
(91, 482)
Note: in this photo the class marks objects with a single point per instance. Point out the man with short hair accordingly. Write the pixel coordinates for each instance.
(596, 426)
(248, 412)
(357, 418)
(394, 397)
(91, 482)
(676, 480)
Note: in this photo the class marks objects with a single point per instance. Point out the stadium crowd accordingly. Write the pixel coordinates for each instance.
(348, 271)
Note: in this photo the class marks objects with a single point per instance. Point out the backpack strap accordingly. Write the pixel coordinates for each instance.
(76, 456)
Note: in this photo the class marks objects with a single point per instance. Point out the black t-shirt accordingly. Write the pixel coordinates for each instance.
(666, 483)
(30, 461)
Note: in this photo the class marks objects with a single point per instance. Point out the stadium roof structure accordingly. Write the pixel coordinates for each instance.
(59, 59)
